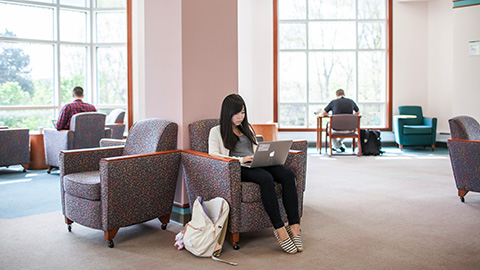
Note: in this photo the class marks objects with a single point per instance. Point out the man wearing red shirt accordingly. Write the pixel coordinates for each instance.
(70, 109)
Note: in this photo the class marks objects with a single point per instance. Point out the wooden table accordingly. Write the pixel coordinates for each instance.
(37, 152)
(320, 130)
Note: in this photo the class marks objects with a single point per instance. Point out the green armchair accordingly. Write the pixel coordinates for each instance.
(418, 130)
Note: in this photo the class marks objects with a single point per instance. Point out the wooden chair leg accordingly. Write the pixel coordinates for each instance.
(69, 224)
(461, 194)
(326, 143)
(234, 238)
(68, 221)
(165, 220)
(359, 146)
(331, 146)
(109, 237)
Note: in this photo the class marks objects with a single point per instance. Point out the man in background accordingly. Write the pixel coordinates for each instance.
(341, 105)
(77, 106)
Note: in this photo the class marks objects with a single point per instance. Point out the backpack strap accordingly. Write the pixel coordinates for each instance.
(220, 260)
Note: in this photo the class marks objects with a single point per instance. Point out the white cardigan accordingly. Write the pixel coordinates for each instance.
(216, 147)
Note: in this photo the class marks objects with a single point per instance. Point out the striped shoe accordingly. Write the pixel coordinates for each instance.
(287, 244)
(297, 240)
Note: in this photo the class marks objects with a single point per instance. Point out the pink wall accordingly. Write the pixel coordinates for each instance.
(163, 61)
(191, 62)
(210, 61)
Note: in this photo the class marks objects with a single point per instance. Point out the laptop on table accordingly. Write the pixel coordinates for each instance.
(270, 154)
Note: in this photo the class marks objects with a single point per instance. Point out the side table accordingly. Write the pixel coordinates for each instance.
(37, 152)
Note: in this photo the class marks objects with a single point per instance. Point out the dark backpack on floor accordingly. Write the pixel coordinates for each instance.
(370, 140)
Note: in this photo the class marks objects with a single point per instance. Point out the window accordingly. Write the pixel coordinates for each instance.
(324, 45)
(72, 42)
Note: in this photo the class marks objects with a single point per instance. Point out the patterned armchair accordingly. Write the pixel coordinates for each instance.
(414, 131)
(115, 121)
(14, 147)
(210, 176)
(464, 149)
(112, 187)
(86, 130)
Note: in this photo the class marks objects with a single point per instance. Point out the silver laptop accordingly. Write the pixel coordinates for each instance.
(270, 154)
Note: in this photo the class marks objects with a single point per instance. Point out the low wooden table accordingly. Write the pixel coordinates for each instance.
(37, 152)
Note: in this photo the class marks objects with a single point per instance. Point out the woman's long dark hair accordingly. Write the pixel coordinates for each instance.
(231, 105)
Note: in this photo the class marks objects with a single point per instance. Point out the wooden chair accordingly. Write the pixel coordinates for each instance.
(269, 132)
(339, 126)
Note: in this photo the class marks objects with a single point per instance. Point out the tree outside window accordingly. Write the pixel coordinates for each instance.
(324, 45)
(41, 63)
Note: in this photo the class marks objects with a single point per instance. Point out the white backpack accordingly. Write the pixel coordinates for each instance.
(205, 233)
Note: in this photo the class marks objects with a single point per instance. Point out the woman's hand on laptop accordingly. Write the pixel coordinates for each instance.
(246, 159)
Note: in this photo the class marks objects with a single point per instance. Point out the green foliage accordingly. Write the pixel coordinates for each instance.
(14, 68)
(12, 94)
(67, 86)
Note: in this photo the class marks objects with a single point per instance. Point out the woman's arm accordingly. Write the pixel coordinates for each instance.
(216, 147)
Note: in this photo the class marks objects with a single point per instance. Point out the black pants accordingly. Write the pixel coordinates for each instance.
(266, 178)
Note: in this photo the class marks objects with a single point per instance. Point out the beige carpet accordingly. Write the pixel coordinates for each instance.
(389, 212)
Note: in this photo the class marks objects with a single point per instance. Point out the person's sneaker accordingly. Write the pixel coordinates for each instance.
(342, 149)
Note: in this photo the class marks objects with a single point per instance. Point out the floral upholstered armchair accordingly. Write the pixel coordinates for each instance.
(115, 121)
(111, 187)
(14, 147)
(464, 149)
(86, 130)
(210, 176)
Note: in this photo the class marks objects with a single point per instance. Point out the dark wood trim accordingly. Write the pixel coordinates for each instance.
(74, 151)
(315, 130)
(389, 51)
(462, 140)
(110, 159)
(389, 65)
(201, 154)
(129, 65)
(185, 205)
(275, 61)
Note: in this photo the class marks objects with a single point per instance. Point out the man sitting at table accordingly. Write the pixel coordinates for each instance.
(341, 105)
(77, 106)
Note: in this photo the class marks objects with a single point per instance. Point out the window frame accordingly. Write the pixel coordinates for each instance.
(389, 70)
(91, 44)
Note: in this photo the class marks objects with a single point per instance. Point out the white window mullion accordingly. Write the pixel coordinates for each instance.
(91, 49)
(57, 73)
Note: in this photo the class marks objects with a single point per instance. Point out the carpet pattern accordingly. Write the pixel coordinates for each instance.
(396, 211)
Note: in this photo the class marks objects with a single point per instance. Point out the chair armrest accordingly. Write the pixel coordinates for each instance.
(59, 139)
(108, 132)
(430, 121)
(140, 186)
(82, 160)
(112, 142)
(55, 141)
(464, 156)
(297, 162)
(301, 145)
(211, 176)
